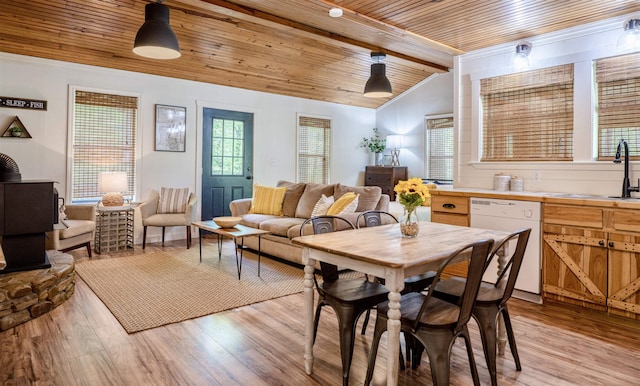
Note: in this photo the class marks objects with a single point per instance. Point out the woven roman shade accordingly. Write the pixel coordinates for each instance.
(528, 116)
(104, 135)
(618, 110)
(314, 140)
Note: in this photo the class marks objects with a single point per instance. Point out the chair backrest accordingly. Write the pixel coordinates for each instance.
(477, 254)
(327, 224)
(373, 218)
(513, 263)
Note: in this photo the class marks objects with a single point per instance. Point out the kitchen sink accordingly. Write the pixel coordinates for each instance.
(593, 197)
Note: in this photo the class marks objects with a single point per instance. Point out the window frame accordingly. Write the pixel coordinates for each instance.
(131, 195)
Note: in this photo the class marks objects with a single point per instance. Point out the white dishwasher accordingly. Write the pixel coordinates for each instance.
(511, 215)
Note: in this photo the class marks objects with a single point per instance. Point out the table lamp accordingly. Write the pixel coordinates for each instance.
(112, 184)
(394, 142)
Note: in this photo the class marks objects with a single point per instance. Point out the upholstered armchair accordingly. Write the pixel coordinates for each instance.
(76, 231)
(167, 209)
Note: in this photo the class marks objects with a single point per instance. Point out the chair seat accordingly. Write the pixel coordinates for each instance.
(418, 283)
(76, 228)
(439, 313)
(167, 219)
(452, 289)
(354, 290)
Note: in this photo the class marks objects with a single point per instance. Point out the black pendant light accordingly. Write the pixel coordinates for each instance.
(155, 39)
(378, 86)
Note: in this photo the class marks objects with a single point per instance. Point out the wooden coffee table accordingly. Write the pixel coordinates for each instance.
(239, 231)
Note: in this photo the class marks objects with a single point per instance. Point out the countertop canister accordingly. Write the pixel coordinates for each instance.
(501, 182)
(515, 184)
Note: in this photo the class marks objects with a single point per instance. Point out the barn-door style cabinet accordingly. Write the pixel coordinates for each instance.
(591, 257)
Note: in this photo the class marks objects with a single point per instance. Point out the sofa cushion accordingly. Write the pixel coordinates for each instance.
(280, 226)
(322, 206)
(267, 200)
(347, 203)
(254, 220)
(291, 197)
(173, 200)
(369, 195)
(311, 195)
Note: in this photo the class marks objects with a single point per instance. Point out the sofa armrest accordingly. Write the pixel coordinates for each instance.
(383, 204)
(80, 212)
(240, 206)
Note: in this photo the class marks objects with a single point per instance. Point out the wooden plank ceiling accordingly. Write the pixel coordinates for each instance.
(291, 47)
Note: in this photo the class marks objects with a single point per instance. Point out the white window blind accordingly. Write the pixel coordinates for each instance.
(618, 110)
(314, 139)
(528, 116)
(439, 149)
(104, 128)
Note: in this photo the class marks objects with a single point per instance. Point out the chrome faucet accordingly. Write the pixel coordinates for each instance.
(626, 184)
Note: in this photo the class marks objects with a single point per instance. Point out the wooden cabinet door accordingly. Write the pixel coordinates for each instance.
(624, 275)
(575, 266)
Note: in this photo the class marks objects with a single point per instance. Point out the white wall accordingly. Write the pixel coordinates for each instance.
(45, 155)
(584, 175)
(405, 115)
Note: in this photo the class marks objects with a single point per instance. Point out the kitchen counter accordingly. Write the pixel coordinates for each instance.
(544, 197)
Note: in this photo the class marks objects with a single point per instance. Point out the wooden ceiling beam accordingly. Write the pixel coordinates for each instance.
(248, 11)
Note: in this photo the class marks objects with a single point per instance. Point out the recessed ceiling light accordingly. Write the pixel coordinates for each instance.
(335, 12)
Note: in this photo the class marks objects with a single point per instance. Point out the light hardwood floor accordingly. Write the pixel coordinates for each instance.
(81, 343)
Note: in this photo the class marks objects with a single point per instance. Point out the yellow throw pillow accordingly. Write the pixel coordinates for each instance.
(347, 203)
(267, 200)
(322, 206)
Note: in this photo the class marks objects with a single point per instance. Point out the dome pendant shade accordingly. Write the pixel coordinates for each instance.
(378, 86)
(155, 39)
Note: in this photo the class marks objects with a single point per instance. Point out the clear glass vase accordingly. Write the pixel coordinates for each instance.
(379, 159)
(409, 226)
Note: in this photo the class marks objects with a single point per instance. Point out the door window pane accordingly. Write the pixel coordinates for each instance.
(227, 144)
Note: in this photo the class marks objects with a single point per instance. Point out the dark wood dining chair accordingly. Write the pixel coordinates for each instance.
(492, 300)
(349, 298)
(436, 323)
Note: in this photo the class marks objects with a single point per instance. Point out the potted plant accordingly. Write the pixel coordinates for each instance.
(376, 145)
(16, 131)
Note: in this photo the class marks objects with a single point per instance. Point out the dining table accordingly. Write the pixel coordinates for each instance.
(383, 252)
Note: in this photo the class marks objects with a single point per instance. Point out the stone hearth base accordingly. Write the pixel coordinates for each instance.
(30, 294)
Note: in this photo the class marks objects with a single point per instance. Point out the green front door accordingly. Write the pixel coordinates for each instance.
(227, 160)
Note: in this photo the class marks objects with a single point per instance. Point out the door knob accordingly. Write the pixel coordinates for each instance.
(249, 177)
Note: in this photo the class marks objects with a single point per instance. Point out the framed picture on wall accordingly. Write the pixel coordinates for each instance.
(171, 123)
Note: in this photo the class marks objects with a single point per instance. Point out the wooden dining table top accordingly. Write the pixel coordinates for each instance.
(385, 246)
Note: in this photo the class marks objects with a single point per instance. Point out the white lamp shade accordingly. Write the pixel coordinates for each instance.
(394, 141)
(112, 182)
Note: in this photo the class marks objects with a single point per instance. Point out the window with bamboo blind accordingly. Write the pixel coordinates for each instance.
(528, 116)
(103, 140)
(439, 148)
(618, 108)
(314, 142)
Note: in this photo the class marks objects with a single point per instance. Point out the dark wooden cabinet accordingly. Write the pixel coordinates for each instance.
(386, 177)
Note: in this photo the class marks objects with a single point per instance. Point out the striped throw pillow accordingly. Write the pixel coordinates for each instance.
(267, 200)
(173, 200)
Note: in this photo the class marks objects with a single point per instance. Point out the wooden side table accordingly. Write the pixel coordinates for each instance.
(114, 228)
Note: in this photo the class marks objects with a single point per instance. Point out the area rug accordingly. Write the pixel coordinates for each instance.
(154, 289)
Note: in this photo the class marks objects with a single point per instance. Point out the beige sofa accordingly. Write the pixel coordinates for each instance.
(297, 206)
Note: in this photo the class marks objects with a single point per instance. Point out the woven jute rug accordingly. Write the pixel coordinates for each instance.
(153, 289)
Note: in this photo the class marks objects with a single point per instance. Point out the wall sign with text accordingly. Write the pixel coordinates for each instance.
(21, 103)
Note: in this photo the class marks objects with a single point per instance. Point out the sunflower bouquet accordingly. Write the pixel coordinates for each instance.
(412, 193)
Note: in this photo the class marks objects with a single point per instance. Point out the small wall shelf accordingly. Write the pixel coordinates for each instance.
(16, 122)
